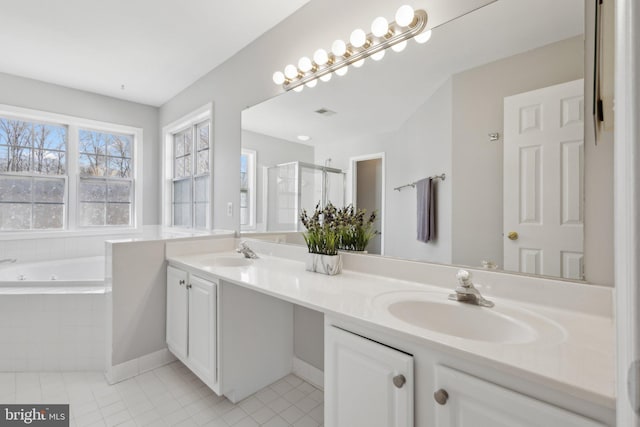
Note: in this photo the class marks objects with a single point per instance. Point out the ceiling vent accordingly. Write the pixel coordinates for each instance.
(325, 112)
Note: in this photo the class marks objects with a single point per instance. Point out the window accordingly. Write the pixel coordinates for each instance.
(248, 189)
(191, 176)
(65, 173)
(32, 175)
(106, 184)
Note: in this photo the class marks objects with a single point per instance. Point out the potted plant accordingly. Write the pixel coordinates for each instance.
(323, 237)
(356, 229)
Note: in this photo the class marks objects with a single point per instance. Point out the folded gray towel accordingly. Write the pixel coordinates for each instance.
(426, 203)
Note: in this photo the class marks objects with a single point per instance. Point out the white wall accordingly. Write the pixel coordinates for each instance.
(269, 152)
(37, 95)
(478, 98)
(420, 148)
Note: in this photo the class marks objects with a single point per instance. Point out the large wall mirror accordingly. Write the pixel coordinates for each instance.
(493, 106)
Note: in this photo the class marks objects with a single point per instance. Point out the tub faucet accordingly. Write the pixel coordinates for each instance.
(245, 250)
(466, 292)
(7, 260)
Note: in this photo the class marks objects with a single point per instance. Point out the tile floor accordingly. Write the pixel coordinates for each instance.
(167, 396)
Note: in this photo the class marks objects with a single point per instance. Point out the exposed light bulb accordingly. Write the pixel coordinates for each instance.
(311, 83)
(290, 71)
(298, 88)
(378, 55)
(320, 57)
(399, 47)
(326, 77)
(339, 48)
(423, 37)
(379, 27)
(359, 63)
(304, 137)
(305, 65)
(358, 38)
(341, 71)
(278, 77)
(405, 15)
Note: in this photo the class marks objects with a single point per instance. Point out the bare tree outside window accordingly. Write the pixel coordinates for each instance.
(32, 175)
(106, 184)
(32, 147)
(191, 176)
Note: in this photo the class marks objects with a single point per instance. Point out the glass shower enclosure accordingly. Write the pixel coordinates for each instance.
(294, 186)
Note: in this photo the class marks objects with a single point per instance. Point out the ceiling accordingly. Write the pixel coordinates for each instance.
(152, 48)
(381, 96)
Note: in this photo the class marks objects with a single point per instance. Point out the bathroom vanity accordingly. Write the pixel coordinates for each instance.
(398, 352)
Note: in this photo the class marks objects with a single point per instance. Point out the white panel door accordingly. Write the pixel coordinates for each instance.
(202, 328)
(473, 402)
(177, 309)
(360, 390)
(544, 181)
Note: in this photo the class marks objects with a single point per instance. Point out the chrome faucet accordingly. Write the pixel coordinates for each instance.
(245, 250)
(7, 260)
(466, 292)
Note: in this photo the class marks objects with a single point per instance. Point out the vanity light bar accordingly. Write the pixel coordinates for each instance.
(408, 24)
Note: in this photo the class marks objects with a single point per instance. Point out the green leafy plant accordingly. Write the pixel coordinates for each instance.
(356, 230)
(330, 229)
(323, 230)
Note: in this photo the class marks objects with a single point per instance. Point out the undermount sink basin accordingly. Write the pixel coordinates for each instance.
(500, 324)
(471, 322)
(230, 260)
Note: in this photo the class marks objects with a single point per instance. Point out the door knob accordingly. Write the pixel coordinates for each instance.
(513, 235)
(399, 381)
(181, 282)
(441, 396)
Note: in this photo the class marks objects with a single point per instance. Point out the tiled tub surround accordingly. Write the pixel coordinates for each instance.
(52, 325)
(63, 324)
(581, 365)
(55, 329)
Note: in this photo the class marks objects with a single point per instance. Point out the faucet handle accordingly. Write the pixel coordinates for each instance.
(464, 278)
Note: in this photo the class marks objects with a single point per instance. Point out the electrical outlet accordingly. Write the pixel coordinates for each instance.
(230, 209)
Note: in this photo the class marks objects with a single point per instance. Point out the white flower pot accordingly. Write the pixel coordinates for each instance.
(325, 264)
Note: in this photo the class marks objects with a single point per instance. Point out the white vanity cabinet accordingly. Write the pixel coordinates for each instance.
(366, 383)
(464, 401)
(191, 322)
(441, 389)
(236, 340)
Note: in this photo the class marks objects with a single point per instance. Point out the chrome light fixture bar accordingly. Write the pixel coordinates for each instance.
(407, 25)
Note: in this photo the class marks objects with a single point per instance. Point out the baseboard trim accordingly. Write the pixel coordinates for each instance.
(309, 373)
(131, 368)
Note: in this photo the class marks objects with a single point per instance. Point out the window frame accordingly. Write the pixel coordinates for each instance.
(106, 179)
(252, 159)
(74, 125)
(191, 120)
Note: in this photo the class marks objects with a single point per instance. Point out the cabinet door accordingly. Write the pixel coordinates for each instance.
(473, 402)
(359, 382)
(202, 328)
(177, 307)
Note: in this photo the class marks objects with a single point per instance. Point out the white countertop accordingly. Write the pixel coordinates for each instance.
(579, 361)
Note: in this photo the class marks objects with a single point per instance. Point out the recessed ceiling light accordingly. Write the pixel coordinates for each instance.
(304, 137)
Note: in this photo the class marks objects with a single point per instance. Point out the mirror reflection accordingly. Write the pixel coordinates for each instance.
(477, 136)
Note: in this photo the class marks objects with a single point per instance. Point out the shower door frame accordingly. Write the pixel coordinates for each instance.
(298, 202)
